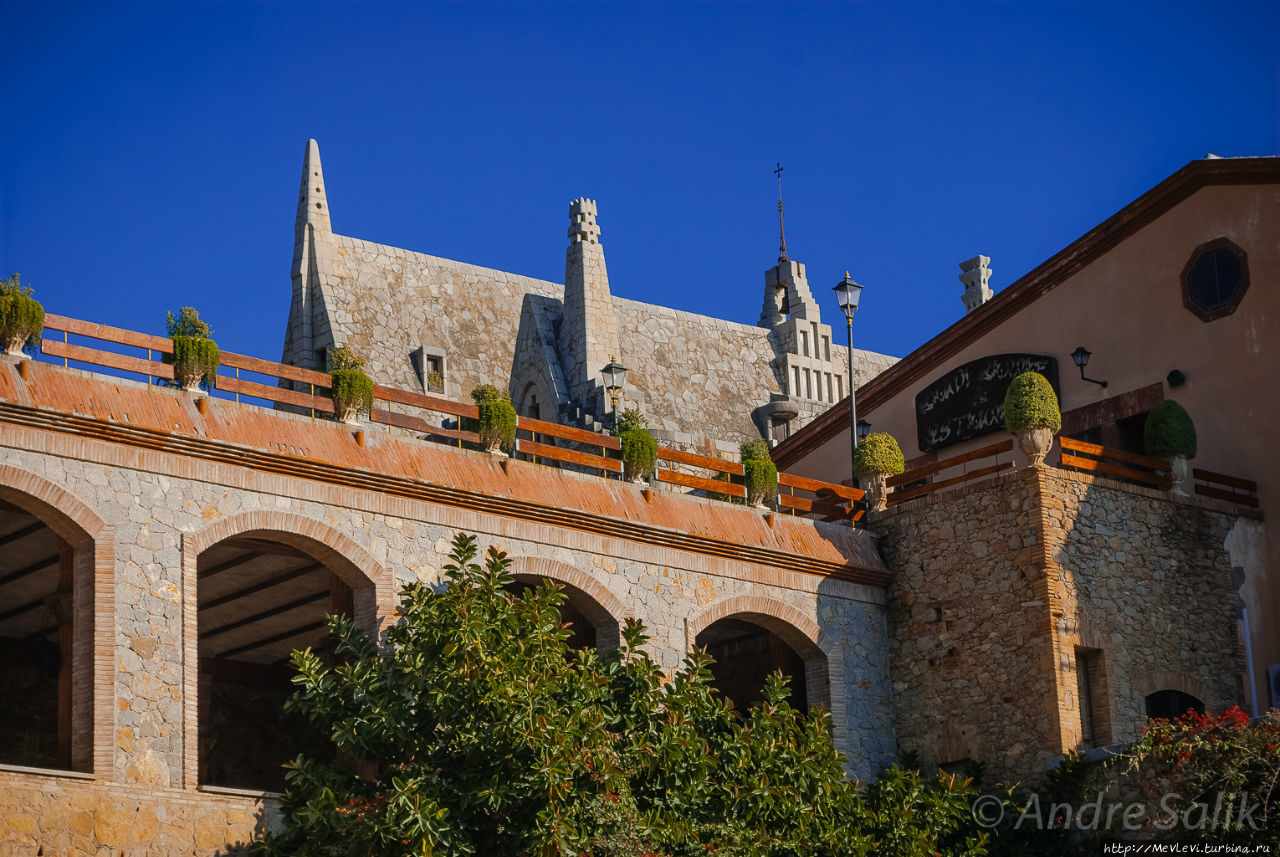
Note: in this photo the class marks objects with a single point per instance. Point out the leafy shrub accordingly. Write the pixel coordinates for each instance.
(627, 420)
(878, 453)
(1169, 431)
(20, 314)
(435, 380)
(1031, 403)
(187, 323)
(351, 387)
(496, 422)
(756, 449)
(639, 452)
(761, 479)
(343, 359)
(489, 735)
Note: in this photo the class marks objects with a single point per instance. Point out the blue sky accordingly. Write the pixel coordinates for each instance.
(151, 153)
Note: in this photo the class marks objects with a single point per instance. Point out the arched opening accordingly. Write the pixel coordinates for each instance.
(1171, 704)
(259, 599)
(746, 652)
(589, 610)
(38, 630)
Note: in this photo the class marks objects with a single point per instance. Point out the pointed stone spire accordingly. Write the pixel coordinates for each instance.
(589, 329)
(313, 204)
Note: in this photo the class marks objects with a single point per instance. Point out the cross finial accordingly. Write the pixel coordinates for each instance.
(782, 230)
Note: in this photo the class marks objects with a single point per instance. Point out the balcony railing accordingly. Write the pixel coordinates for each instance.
(253, 381)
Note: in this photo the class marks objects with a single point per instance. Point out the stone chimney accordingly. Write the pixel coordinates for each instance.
(974, 273)
(589, 329)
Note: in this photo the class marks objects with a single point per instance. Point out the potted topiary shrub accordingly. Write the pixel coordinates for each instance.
(1170, 434)
(759, 473)
(496, 423)
(195, 355)
(1031, 415)
(639, 448)
(877, 457)
(435, 381)
(349, 387)
(21, 316)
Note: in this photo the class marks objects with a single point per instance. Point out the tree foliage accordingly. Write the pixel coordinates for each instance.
(21, 316)
(1030, 402)
(472, 728)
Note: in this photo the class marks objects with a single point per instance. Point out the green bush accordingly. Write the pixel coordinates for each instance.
(760, 477)
(1169, 431)
(639, 452)
(755, 450)
(629, 420)
(483, 732)
(878, 453)
(351, 386)
(435, 380)
(20, 314)
(343, 359)
(187, 323)
(1031, 403)
(196, 353)
(487, 394)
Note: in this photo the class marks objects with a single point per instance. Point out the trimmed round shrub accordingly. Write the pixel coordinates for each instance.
(639, 452)
(487, 393)
(351, 386)
(878, 453)
(20, 314)
(1031, 403)
(761, 477)
(1169, 431)
(496, 421)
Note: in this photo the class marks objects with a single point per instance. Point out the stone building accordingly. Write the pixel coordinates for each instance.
(161, 552)
(410, 314)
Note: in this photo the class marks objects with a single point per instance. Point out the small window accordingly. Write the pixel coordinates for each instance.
(1215, 279)
(779, 429)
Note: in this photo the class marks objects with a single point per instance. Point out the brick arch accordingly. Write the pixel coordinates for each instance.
(372, 587)
(824, 668)
(92, 541)
(1150, 682)
(600, 606)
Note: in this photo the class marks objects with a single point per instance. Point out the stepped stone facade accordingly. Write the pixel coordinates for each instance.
(703, 383)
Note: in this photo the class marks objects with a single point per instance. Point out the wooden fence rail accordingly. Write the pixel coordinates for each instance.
(306, 390)
(919, 481)
(1116, 463)
(1243, 492)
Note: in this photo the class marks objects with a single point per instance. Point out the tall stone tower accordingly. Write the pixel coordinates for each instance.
(308, 333)
(588, 336)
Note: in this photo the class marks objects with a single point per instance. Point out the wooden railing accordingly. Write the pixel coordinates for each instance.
(1242, 492)
(1116, 463)
(263, 382)
(920, 481)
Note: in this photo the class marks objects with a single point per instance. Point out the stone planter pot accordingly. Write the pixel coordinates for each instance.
(188, 376)
(877, 487)
(491, 442)
(13, 345)
(635, 474)
(347, 412)
(755, 499)
(1035, 444)
(1177, 475)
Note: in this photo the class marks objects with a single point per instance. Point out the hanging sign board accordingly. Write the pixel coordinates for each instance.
(968, 401)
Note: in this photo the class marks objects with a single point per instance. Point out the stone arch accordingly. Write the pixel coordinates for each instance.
(371, 583)
(824, 672)
(92, 542)
(1154, 681)
(597, 605)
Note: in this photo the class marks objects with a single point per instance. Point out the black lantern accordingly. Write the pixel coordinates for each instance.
(848, 292)
(614, 374)
(1081, 357)
(864, 429)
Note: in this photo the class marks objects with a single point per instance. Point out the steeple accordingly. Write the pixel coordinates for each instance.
(782, 229)
(313, 204)
(589, 329)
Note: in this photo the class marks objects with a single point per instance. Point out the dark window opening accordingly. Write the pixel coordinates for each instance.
(1092, 694)
(259, 600)
(36, 634)
(780, 429)
(1215, 279)
(1171, 704)
(745, 654)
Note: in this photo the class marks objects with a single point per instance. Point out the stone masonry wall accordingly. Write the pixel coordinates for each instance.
(997, 584)
(156, 503)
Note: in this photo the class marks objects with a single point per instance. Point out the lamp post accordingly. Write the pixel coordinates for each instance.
(614, 374)
(864, 429)
(847, 294)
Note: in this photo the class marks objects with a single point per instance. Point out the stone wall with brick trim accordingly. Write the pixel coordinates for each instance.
(997, 583)
(162, 509)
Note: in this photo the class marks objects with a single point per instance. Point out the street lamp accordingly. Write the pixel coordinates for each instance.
(864, 429)
(614, 375)
(848, 293)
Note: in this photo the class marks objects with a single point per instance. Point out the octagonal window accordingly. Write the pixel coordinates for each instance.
(1215, 279)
